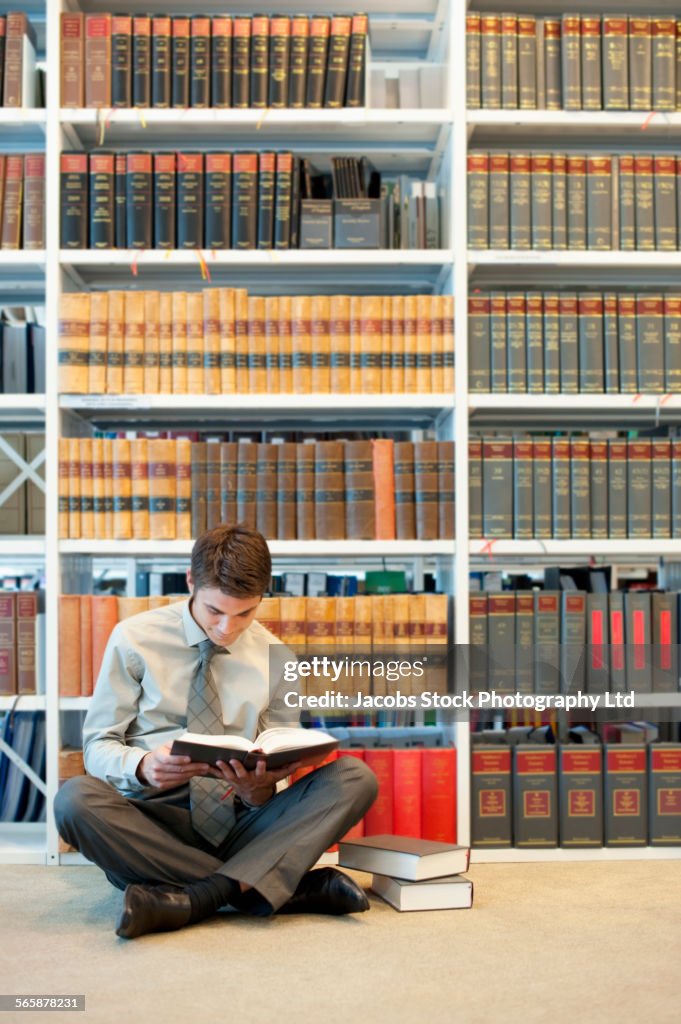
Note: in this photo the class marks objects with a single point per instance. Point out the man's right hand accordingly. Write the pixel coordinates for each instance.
(163, 770)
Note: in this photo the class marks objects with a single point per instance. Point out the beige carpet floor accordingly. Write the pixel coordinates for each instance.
(544, 944)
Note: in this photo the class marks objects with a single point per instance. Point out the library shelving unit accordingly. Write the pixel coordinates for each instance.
(430, 142)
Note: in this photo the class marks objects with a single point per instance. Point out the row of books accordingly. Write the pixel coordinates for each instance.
(24, 733)
(220, 61)
(225, 341)
(541, 795)
(571, 201)
(404, 620)
(22, 201)
(570, 342)
(577, 487)
(592, 62)
(166, 489)
(18, 633)
(547, 641)
(22, 359)
(18, 77)
(23, 510)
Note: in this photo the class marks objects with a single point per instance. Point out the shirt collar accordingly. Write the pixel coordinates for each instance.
(192, 631)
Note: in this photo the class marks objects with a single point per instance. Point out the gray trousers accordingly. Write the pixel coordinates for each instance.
(269, 848)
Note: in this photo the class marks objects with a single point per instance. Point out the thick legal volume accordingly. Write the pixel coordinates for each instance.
(218, 192)
(102, 228)
(535, 810)
(282, 204)
(165, 201)
(260, 42)
(72, 60)
(241, 62)
(120, 188)
(161, 53)
(138, 197)
(190, 200)
(97, 60)
(581, 795)
(297, 81)
(199, 90)
(320, 28)
(121, 61)
(180, 63)
(141, 61)
(280, 45)
(34, 201)
(355, 92)
(626, 796)
(73, 200)
(490, 796)
(245, 201)
(615, 64)
(221, 62)
(337, 65)
(266, 190)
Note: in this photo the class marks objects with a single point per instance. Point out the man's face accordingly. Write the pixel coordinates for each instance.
(221, 617)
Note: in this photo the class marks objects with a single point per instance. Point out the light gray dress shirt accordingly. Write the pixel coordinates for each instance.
(140, 700)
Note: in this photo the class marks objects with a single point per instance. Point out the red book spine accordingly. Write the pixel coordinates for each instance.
(378, 820)
(438, 793)
(407, 800)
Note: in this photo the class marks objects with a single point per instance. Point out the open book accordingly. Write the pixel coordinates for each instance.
(275, 746)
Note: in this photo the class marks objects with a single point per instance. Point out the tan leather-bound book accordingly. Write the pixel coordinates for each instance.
(87, 518)
(400, 619)
(371, 343)
(447, 313)
(305, 490)
(69, 645)
(74, 342)
(114, 348)
(64, 487)
(405, 510)
(360, 508)
(34, 202)
(285, 346)
(162, 489)
(107, 474)
(196, 384)
(383, 457)
(437, 619)
(272, 361)
(98, 515)
(179, 329)
(122, 494)
(293, 615)
(377, 602)
(152, 343)
(339, 344)
(426, 489)
(266, 489)
(86, 681)
(158, 601)
(133, 344)
(417, 619)
(213, 484)
(183, 496)
(410, 343)
(286, 490)
(355, 344)
(424, 357)
(74, 488)
(165, 342)
(104, 618)
(99, 335)
(139, 460)
(320, 373)
(268, 614)
(397, 344)
(27, 609)
(246, 468)
(320, 625)
(227, 328)
(363, 612)
(388, 619)
(129, 606)
(345, 620)
(10, 234)
(241, 340)
(8, 649)
(228, 465)
(446, 489)
(257, 371)
(437, 364)
(329, 491)
(211, 340)
(386, 342)
(301, 344)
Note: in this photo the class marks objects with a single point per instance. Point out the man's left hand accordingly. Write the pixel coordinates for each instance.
(255, 787)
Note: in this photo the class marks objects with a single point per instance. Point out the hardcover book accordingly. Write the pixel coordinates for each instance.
(404, 857)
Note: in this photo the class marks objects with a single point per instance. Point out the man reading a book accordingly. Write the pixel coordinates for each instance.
(184, 838)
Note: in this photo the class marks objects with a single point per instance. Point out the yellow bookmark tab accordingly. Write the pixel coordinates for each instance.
(133, 265)
(205, 272)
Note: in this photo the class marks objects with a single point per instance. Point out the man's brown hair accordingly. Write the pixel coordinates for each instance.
(234, 559)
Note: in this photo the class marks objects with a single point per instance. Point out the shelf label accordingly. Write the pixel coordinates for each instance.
(113, 402)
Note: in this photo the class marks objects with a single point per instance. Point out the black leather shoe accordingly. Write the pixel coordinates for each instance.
(152, 908)
(326, 891)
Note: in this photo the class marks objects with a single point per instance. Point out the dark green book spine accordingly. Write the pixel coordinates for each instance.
(572, 640)
(280, 45)
(320, 28)
(541, 476)
(161, 52)
(490, 780)
(521, 235)
(535, 797)
(475, 487)
(473, 61)
(497, 487)
(547, 640)
(523, 491)
(102, 228)
(479, 365)
(639, 488)
(572, 61)
(569, 343)
(644, 200)
(517, 342)
(490, 39)
(576, 201)
(599, 202)
(640, 64)
(627, 203)
(626, 317)
(260, 46)
(190, 200)
(560, 488)
(509, 62)
(138, 175)
(615, 64)
(337, 64)
(121, 60)
(282, 201)
(165, 201)
(297, 82)
(527, 63)
(664, 63)
(592, 76)
(295, 203)
(120, 189)
(559, 207)
(552, 64)
(221, 62)
(498, 342)
(245, 200)
(676, 489)
(218, 189)
(180, 65)
(662, 483)
(499, 220)
(611, 344)
(241, 62)
(551, 331)
(478, 200)
(666, 236)
(141, 61)
(617, 489)
(591, 378)
(199, 81)
(580, 488)
(535, 341)
(650, 342)
(672, 343)
(355, 92)
(266, 189)
(598, 468)
(580, 796)
(626, 793)
(542, 200)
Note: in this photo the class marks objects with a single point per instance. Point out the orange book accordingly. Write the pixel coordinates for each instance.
(133, 344)
(363, 612)
(268, 614)
(64, 486)
(139, 470)
(257, 372)
(345, 620)
(115, 334)
(424, 360)
(339, 344)
(99, 336)
(196, 382)
(437, 366)
(129, 606)
(241, 340)
(104, 618)
(399, 606)
(183, 505)
(85, 645)
(417, 619)
(272, 362)
(69, 645)
(74, 342)
(162, 489)
(74, 488)
(410, 343)
(384, 488)
(371, 344)
(447, 313)
(320, 344)
(320, 627)
(165, 344)
(179, 336)
(87, 518)
(152, 342)
(355, 344)
(227, 304)
(122, 489)
(292, 618)
(211, 340)
(386, 344)
(397, 344)
(285, 345)
(108, 481)
(301, 344)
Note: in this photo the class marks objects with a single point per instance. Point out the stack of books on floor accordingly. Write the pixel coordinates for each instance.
(412, 874)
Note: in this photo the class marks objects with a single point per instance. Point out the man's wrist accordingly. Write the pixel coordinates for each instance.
(251, 803)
